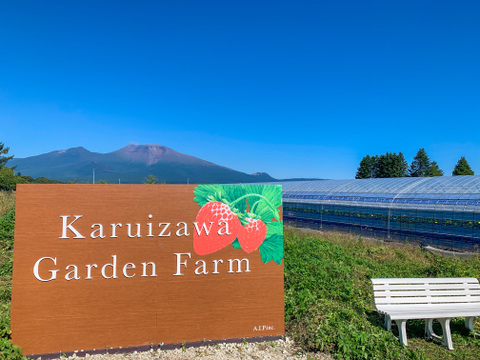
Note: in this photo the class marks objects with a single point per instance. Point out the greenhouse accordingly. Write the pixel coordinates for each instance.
(442, 211)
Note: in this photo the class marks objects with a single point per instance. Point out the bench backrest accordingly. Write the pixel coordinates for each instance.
(425, 291)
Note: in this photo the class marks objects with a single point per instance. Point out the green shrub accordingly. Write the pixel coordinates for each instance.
(9, 351)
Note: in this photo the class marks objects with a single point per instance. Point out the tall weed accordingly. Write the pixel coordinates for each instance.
(7, 225)
(7, 201)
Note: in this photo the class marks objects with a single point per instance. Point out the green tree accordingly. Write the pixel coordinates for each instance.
(421, 164)
(435, 169)
(365, 170)
(3, 152)
(8, 179)
(391, 165)
(401, 166)
(383, 166)
(462, 168)
(151, 180)
(375, 166)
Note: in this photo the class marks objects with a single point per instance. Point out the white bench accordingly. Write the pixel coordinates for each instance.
(416, 298)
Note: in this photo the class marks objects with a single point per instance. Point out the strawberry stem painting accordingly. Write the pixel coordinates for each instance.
(246, 217)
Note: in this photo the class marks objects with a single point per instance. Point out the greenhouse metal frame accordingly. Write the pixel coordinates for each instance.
(442, 211)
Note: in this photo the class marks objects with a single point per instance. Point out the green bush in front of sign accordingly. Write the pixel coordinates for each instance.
(8, 351)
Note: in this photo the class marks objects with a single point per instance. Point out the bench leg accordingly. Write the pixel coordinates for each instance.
(429, 333)
(447, 335)
(402, 331)
(469, 323)
(388, 323)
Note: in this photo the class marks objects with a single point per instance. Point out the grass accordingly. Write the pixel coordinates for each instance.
(329, 303)
(7, 220)
(328, 295)
(7, 201)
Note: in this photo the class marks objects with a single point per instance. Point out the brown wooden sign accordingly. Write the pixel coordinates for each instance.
(109, 266)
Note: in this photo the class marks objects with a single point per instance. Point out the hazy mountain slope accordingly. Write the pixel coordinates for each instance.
(131, 164)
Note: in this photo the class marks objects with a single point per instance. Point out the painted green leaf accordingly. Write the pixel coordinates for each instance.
(203, 192)
(236, 244)
(235, 192)
(225, 193)
(272, 249)
(275, 228)
(264, 200)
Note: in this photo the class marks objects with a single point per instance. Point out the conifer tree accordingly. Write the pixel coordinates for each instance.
(421, 164)
(435, 169)
(384, 166)
(4, 151)
(462, 168)
(400, 168)
(365, 170)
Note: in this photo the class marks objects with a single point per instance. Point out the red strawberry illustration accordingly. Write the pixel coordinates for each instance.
(216, 226)
(252, 235)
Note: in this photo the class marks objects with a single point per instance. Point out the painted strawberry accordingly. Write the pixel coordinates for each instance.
(216, 226)
(252, 235)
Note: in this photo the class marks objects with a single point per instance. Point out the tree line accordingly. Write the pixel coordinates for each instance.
(378, 166)
(394, 165)
(8, 178)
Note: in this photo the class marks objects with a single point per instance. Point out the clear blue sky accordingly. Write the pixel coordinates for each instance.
(292, 88)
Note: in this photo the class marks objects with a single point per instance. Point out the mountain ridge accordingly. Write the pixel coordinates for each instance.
(130, 164)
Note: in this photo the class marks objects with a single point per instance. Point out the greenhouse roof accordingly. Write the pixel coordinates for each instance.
(441, 192)
(439, 185)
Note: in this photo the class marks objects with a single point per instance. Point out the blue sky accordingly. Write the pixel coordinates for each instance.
(292, 88)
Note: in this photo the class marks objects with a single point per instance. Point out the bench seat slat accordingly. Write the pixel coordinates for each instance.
(429, 307)
(423, 280)
(428, 292)
(424, 286)
(430, 312)
(425, 300)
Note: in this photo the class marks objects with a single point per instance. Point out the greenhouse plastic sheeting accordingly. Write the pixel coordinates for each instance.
(436, 210)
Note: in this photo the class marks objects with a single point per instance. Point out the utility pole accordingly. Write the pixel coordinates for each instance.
(93, 175)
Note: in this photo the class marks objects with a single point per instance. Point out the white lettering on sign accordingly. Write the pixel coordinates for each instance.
(182, 229)
(72, 272)
(97, 233)
(53, 272)
(128, 266)
(263, 328)
(201, 268)
(165, 228)
(70, 229)
(129, 226)
(180, 263)
(45, 269)
(224, 228)
(239, 266)
(203, 227)
(113, 265)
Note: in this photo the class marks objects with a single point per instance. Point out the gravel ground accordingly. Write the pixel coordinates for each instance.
(272, 350)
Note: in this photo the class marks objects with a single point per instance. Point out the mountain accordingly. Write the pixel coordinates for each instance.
(130, 165)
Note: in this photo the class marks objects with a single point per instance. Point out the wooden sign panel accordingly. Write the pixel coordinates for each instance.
(109, 266)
